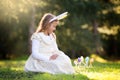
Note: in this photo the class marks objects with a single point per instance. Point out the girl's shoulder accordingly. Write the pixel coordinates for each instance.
(36, 36)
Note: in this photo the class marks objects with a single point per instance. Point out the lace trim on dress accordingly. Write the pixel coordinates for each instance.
(41, 37)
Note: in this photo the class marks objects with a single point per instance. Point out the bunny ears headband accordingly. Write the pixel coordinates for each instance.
(59, 17)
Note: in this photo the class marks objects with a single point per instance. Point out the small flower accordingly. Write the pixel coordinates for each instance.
(79, 59)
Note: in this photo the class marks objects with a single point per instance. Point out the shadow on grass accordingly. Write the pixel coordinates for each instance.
(8, 74)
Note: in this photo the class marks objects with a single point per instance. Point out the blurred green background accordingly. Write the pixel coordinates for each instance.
(92, 27)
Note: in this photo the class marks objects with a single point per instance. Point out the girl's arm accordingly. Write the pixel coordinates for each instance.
(35, 51)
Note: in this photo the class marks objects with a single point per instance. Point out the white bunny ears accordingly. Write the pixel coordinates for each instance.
(59, 17)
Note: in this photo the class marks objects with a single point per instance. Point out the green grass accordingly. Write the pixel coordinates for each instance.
(14, 70)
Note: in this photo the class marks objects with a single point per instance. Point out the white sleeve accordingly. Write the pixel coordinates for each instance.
(35, 51)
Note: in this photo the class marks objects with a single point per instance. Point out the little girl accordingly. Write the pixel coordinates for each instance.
(46, 57)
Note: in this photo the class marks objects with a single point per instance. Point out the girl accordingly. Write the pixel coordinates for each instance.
(46, 57)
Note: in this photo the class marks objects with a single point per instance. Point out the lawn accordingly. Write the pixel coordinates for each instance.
(101, 70)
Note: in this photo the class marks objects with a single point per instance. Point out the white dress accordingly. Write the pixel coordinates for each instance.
(42, 48)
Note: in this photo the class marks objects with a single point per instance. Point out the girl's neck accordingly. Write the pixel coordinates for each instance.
(46, 33)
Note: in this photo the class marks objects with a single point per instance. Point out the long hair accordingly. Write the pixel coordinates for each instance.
(43, 25)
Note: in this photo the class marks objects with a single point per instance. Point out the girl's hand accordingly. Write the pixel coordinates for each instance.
(53, 57)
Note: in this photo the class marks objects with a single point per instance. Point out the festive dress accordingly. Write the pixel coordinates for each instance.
(43, 47)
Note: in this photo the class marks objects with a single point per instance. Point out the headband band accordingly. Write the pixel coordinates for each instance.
(59, 17)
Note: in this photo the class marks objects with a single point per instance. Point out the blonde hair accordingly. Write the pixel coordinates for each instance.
(43, 25)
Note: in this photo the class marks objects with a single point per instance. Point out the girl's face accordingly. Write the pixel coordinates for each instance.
(52, 27)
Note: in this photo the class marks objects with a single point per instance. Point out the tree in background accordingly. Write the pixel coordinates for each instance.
(15, 22)
(110, 27)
